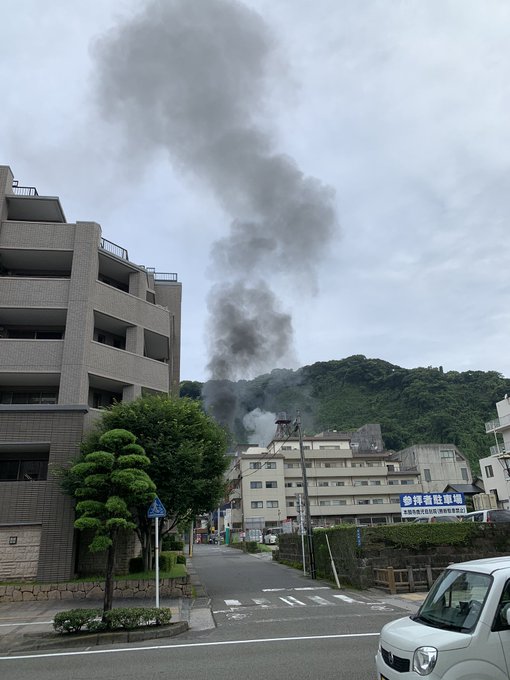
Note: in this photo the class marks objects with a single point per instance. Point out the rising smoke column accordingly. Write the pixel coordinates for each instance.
(190, 76)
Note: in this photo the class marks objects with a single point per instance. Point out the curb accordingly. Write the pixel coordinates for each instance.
(35, 641)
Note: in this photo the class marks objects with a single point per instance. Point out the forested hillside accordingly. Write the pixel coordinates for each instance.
(419, 405)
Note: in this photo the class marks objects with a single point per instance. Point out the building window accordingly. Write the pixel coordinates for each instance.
(255, 485)
(271, 504)
(36, 397)
(324, 502)
(392, 482)
(447, 454)
(391, 468)
(271, 485)
(489, 472)
(464, 474)
(363, 501)
(360, 482)
(329, 447)
(395, 499)
(407, 481)
(323, 484)
(257, 504)
(357, 465)
(375, 482)
(339, 501)
(23, 470)
(254, 466)
(337, 483)
(290, 504)
(292, 465)
(271, 465)
(426, 474)
(377, 501)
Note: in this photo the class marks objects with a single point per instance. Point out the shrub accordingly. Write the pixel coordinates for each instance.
(180, 559)
(167, 560)
(93, 620)
(74, 620)
(171, 543)
(252, 546)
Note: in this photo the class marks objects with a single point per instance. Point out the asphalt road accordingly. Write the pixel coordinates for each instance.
(269, 621)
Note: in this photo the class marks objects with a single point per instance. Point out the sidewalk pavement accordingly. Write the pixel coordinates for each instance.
(27, 626)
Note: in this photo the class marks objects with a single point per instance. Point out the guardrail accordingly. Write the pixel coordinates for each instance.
(23, 191)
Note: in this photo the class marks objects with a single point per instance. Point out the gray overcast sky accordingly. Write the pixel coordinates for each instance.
(400, 107)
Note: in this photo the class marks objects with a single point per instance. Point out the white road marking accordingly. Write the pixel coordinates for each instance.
(292, 601)
(313, 588)
(261, 600)
(28, 623)
(273, 590)
(350, 600)
(123, 650)
(233, 603)
(318, 600)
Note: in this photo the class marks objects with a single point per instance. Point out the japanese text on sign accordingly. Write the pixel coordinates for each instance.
(426, 504)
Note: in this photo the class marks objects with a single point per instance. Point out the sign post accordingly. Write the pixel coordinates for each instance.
(155, 511)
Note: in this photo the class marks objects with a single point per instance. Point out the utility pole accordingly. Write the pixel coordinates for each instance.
(308, 519)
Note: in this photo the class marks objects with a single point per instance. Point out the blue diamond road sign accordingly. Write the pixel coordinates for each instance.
(156, 509)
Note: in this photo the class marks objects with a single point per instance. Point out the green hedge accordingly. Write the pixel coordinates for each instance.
(94, 620)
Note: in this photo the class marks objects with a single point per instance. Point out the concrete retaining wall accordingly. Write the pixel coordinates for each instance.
(94, 590)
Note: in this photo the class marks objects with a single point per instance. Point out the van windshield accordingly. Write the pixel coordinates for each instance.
(455, 600)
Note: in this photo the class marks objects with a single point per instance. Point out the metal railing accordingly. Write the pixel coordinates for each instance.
(23, 191)
(497, 423)
(113, 248)
(161, 276)
(495, 450)
(165, 276)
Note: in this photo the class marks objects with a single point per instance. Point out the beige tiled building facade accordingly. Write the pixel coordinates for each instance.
(351, 479)
(81, 325)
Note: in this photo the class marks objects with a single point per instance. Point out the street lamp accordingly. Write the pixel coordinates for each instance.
(308, 519)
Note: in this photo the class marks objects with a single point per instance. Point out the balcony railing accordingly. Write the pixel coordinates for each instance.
(23, 191)
(113, 248)
(495, 450)
(161, 276)
(497, 423)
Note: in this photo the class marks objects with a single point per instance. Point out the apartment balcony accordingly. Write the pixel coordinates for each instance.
(27, 357)
(129, 368)
(121, 305)
(20, 236)
(498, 450)
(498, 425)
(39, 293)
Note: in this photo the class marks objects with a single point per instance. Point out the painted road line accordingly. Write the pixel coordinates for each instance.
(319, 600)
(233, 603)
(292, 601)
(350, 600)
(192, 645)
(261, 600)
(313, 588)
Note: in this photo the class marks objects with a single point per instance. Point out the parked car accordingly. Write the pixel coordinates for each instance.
(254, 535)
(487, 516)
(270, 538)
(462, 629)
(437, 518)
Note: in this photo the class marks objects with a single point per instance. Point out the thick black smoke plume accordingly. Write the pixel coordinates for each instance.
(190, 76)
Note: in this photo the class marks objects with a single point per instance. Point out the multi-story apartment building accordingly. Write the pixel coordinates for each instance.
(350, 479)
(495, 469)
(81, 325)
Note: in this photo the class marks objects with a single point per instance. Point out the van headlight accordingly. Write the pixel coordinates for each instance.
(424, 660)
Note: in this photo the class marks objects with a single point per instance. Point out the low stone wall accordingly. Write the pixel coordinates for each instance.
(94, 590)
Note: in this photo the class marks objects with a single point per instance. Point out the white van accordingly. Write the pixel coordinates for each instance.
(490, 515)
(461, 631)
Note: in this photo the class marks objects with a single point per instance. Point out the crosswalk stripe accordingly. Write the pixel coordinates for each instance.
(261, 600)
(350, 600)
(318, 600)
(292, 601)
(233, 603)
